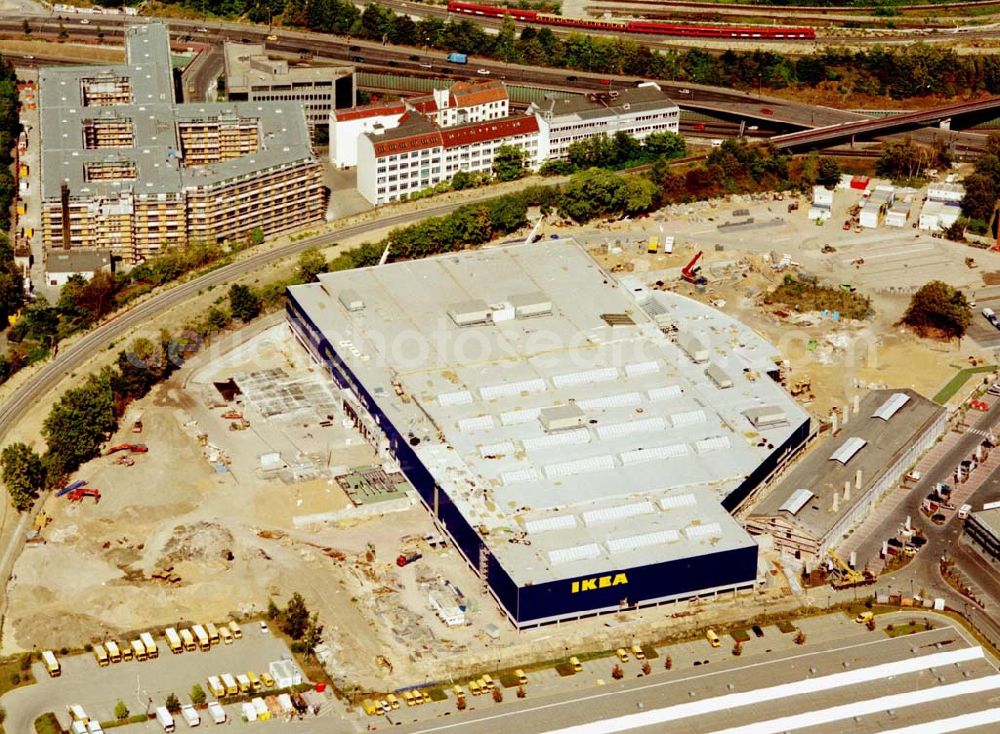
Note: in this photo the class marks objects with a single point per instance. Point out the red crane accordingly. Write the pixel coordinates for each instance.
(77, 495)
(690, 272)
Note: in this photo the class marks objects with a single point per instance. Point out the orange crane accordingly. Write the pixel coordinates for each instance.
(692, 271)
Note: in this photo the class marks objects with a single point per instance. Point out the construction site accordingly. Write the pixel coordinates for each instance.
(247, 476)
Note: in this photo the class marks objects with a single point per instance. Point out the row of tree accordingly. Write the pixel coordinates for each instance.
(616, 152)
(11, 287)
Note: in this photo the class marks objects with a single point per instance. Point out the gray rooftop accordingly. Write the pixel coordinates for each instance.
(631, 100)
(77, 261)
(824, 476)
(154, 116)
(990, 520)
(248, 65)
(638, 478)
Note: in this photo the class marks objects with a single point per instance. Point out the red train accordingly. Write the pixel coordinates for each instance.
(632, 26)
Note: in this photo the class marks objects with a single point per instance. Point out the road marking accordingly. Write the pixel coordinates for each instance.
(596, 696)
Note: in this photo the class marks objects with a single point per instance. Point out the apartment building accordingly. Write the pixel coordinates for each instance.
(460, 104)
(417, 154)
(252, 75)
(638, 112)
(126, 169)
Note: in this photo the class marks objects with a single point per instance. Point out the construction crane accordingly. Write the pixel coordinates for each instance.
(848, 577)
(692, 271)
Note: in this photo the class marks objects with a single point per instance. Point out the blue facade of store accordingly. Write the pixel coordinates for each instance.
(534, 604)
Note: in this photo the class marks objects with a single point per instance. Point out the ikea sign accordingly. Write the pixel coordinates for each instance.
(599, 582)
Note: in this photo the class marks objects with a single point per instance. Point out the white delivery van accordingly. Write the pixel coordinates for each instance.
(164, 718)
(190, 715)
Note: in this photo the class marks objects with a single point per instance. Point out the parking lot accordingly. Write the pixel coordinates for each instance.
(138, 684)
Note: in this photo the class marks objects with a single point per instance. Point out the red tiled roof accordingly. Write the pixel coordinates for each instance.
(410, 143)
(493, 130)
(469, 94)
(371, 110)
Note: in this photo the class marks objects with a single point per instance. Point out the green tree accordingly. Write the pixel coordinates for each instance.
(313, 636)
(172, 703)
(311, 264)
(257, 236)
(23, 474)
(505, 47)
(273, 612)
(121, 710)
(26, 27)
(665, 145)
(462, 180)
(296, 619)
(938, 310)
(217, 318)
(79, 422)
(902, 159)
(243, 302)
(828, 172)
(508, 163)
(592, 193)
(198, 694)
(140, 367)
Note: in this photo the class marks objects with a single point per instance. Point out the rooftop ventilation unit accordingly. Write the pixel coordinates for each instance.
(676, 501)
(544, 524)
(891, 406)
(713, 443)
(527, 305)
(478, 423)
(618, 430)
(766, 416)
(617, 512)
(693, 347)
(519, 476)
(693, 532)
(654, 453)
(687, 418)
(560, 556)
(621, 400)
(459, 397)
(719, 376)
(848, 449)
(469, 313)
(565, 438)
(587, 377)
(587, 465)
(797, 501)
(664, 393)
(561, 417)
(634, 542)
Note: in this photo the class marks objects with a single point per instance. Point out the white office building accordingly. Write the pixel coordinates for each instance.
(460, 104)
(417, 154)
(638, 112)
